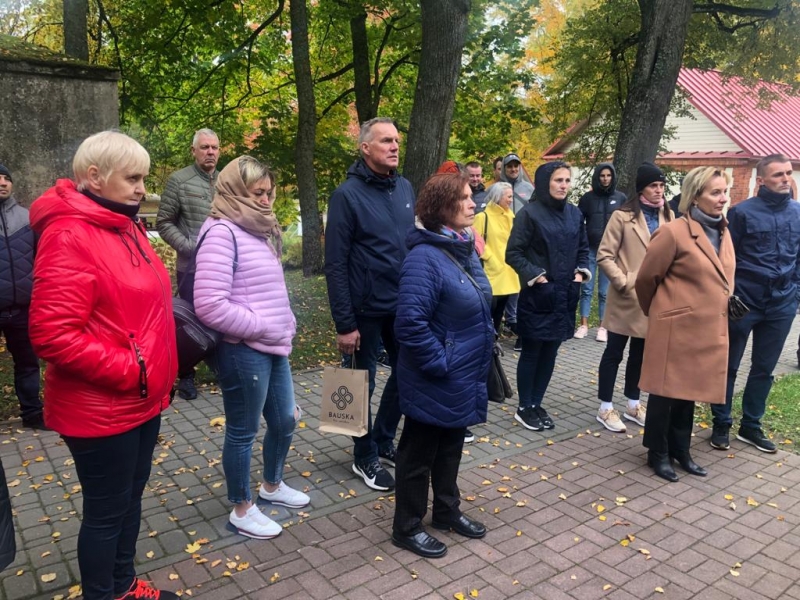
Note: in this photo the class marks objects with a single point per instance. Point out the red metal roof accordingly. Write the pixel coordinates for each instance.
(735, 107)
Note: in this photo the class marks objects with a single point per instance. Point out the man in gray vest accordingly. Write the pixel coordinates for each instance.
(184, 207)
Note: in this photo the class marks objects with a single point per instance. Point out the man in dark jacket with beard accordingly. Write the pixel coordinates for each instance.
(18, 245)
(596, 207)
(368, 218)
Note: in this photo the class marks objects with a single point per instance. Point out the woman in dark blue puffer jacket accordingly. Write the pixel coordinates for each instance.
(445, 334)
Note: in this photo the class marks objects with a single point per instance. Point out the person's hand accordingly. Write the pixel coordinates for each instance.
(348, 343)
(541, 279)
(578, 278)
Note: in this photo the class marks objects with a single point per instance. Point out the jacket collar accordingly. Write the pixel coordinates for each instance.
(701, 239)
(209, 176)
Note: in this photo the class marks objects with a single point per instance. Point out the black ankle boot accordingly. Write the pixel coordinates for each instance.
(687, 464)
(661, 464)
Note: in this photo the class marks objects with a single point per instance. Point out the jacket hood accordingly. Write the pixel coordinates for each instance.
(599, 189)
(459, 248)
(360, 170)
(542, 184)
(64, 200)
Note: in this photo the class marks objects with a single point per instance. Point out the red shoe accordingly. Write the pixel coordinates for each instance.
(144, 590)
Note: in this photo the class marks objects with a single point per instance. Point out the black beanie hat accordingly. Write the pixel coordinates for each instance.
(6, 172)
(646, 174)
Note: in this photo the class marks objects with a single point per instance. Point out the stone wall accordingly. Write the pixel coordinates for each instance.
(48, 107)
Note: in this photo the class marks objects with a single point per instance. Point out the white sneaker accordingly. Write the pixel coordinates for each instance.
(581, 332)
(255, 524)
(637, 415)
(285, 496)
(602, 334)
(611, 421)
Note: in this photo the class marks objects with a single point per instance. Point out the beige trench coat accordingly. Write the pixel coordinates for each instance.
(683, 287)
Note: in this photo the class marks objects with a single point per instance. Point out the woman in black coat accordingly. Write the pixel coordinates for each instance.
(549, 251)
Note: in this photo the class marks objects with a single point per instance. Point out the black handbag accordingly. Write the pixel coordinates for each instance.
(497, 385)
(736, 308)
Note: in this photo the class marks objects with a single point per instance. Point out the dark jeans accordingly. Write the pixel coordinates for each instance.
(668, 425)
(498, 308)
(426, 454)
(381, 433)
(113, 471)
(609, 366)
(534, 370)
(14, 325)
(186, 292)
(770, 329)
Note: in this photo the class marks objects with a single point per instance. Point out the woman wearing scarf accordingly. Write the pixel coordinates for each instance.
(445, 335)
(620, 253)
(683, 286)
(549, 251)
(240, 291)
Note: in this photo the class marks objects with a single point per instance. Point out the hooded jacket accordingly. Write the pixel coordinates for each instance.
(597, 205)
(368, 218)
(445, 342)
(17, 247)
(765, 231)
(522, 188)
(548, 238)
(101, 316)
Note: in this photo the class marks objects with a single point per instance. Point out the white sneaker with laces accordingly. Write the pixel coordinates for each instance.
(637, 415)
(284, 496)
(255, 524)
(602, 334)
(581, 332)
(611, 421)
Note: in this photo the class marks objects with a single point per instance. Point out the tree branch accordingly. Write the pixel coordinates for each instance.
(739, 11)
(335, 74)
(334, 102)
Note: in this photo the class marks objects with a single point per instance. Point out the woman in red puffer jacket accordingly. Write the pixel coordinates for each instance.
(101, 316)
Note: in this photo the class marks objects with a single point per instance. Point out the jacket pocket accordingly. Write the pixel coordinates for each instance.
(142, 367)
(542, 297)
(449, 346)
(675, 312)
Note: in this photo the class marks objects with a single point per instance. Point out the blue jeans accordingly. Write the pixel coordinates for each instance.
(113, 471)
(770, 329)
(511, 310)
(587, 288)
(534, 370)
(253, 384)
(381, 433)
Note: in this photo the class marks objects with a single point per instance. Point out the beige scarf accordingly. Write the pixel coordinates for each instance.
(234, 202)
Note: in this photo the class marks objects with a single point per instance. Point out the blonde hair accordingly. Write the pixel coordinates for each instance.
(252, 171)
(109, 151)
(496, 191)
(696, 181)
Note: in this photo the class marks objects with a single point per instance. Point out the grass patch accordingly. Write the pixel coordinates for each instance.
(782, 419)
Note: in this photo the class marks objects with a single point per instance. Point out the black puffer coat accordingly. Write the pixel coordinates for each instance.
(8, 546)
(17, 248)
(548, 238)
(596, 206)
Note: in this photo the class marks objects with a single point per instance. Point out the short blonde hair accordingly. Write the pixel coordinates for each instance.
(109, 151)
(696, 181)
(496, 191)
(252, 171)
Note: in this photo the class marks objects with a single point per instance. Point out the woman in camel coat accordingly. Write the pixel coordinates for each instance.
(683, 285)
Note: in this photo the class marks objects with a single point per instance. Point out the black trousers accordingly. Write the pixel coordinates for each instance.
(609, 366)
(498, 308)
(186, 292)
(668, 425)
(14, 325)
(426, 453)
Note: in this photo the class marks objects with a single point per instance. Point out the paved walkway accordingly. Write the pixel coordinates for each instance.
(573, 513)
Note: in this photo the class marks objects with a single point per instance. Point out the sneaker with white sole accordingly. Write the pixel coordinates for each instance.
(637, 415)
(284, 496)
(374, 475)
(581, 332)
(611, 421)
(255, 524)
(602, 334)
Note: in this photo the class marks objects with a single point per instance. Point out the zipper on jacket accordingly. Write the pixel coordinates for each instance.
(142, 369)
(10, 258)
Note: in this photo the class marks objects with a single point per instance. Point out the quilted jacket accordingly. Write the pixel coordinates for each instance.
(183, 210)
(250, 305)
(17, 247)
(101, 316)
(444, 331)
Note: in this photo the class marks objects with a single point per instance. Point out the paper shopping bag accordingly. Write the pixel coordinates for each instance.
(345, 400)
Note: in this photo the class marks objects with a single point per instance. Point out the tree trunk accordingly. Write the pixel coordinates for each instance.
(363, 81)
(76, 39)
(444, 31)
(305, 142)
(655, 75)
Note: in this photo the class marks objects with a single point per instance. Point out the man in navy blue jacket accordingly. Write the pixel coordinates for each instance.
(765, 231)
(368, 218)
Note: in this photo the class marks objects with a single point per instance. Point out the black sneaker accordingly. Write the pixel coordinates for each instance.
(383, 359)
(755, 437)
(529, 418)
(719, 437)
(374, 475)
(468, 436)
(518, 345)
(547, 421)
(388, 455)
(35, 422)
(186, 389)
